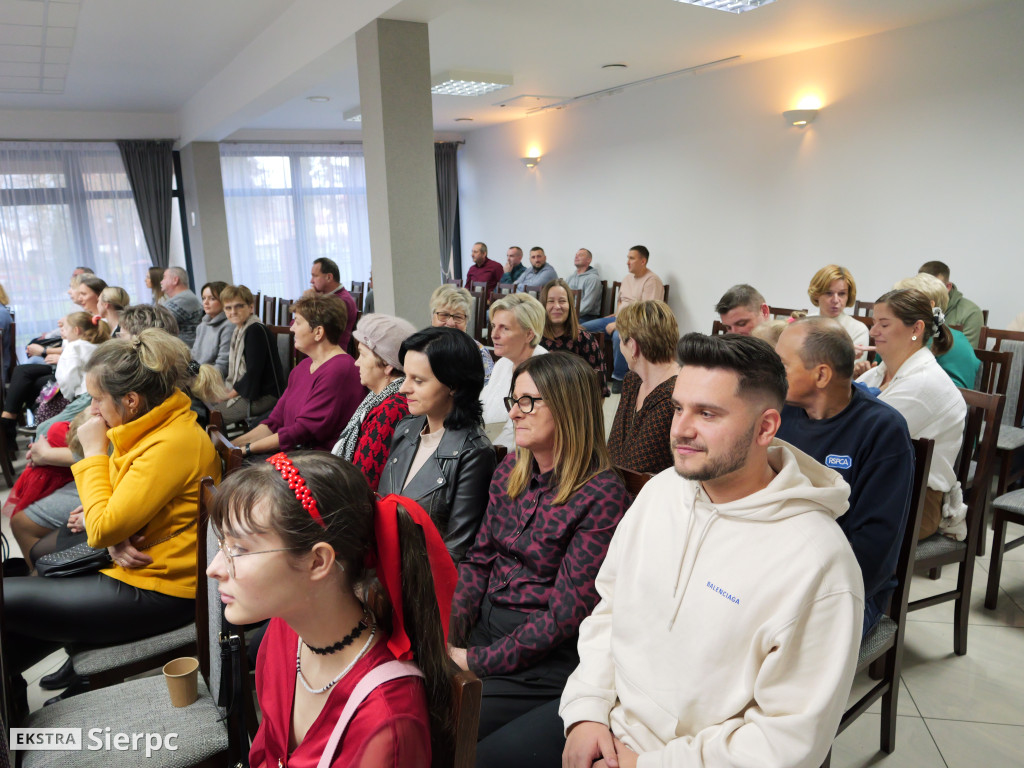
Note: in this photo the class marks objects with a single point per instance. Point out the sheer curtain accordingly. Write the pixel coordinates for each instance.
(64, 205)
(288, 204)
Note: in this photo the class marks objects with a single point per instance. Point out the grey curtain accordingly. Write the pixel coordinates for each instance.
(150, 168)
(447, 204)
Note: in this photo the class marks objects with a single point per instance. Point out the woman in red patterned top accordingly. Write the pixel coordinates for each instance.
(563, 331)
(366, 438)
(527, 582)
(296, 534)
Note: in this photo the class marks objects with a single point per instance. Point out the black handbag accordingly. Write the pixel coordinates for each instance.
(79, 560)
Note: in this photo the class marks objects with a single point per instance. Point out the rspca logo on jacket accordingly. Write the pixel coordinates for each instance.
(835, 461)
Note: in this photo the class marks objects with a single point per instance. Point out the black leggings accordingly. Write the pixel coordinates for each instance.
(43, 614)
(27, 382)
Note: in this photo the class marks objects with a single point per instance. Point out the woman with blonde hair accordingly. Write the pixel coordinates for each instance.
(113, 301)
(648, 336)
(517, 327)
(832, 290)
(562, 330)
(449, 308)
(140, 502)
(527, 582)
(959, 361)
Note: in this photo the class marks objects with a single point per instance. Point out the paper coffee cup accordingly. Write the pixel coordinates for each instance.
(182, 676)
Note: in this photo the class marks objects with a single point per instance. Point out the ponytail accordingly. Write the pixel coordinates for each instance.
(942, 336)
(209, 385)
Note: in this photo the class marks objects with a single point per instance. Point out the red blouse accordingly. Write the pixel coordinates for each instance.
(390, 729)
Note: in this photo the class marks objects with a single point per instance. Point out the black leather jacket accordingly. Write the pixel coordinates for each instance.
(452, 486)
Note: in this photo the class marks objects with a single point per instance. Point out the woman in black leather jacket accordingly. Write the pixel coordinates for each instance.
(440, 456)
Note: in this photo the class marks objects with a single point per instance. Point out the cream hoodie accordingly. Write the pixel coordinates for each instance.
(726, 635)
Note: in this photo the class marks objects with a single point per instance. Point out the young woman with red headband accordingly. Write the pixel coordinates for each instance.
(296, 535)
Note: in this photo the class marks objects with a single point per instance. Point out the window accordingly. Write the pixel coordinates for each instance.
(64, 205)
(287, 205)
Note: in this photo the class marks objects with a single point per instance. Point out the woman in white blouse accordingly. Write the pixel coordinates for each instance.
(832, 290)
(912, 382)
(517, 326)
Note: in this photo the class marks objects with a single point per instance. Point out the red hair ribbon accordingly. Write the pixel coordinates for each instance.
(388, 564)
(291, 475)
(96, 319)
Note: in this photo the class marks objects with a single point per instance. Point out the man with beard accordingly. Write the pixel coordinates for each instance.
(731, 603)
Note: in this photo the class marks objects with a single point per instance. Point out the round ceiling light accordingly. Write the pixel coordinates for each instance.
(318, 99)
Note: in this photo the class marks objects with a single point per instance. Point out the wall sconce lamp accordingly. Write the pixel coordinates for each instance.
(530, 162)
(800, 117)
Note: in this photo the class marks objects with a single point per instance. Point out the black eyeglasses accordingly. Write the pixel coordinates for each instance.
(525, 403)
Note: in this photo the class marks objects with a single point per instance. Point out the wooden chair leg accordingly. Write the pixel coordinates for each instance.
(962, 608)
(996, 563)
(935, 573)
(6, 460)
(828, 760)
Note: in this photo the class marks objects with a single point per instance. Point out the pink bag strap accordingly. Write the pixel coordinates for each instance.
(390, 670)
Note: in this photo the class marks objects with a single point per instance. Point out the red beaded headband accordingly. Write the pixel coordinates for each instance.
(291, 475)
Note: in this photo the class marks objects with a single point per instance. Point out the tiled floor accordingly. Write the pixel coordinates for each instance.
(954, 711)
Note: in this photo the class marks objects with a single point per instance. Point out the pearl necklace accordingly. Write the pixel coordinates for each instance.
(311, 689)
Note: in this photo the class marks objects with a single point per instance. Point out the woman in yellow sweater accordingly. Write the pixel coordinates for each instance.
(140, 502)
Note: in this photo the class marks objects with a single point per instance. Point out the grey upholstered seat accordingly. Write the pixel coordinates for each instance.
(1010, 438)
(89, 660)
(876, 640)
(1011, 502)
(937, 544)
(138, 706)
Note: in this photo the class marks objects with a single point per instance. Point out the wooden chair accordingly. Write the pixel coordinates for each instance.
(503, 289)
(633, 480)
(608, 298)
(577, 299)
(984, 316)
(284, 312)
(357, 285)
(500, 452)
(285, 339)
(479, 294)
(664, 296)
(882, 649)
(7, 451)
(230, 454)
(866, 319)
(783, 313)
(863, 308)
(1008, 508)
(456, 281)
(357, 296)
(534, 290)
(718, 328)
(217, 735)
(979, 443)
(467, 691)
(1011, 435)
(269, 309)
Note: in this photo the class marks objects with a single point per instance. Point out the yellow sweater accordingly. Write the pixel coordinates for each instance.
(150, 485)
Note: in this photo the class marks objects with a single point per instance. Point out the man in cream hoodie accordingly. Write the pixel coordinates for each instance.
(731, 603)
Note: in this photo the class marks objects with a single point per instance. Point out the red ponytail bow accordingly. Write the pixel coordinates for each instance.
(388, 564)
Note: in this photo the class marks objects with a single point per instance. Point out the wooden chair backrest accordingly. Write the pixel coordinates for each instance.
(269, 309)
(358, 285)
(718, 328)
(284, 312)
(981, 432)
(577, 298)
(230, 454)
(290, 356)
(479, 294)
(994, 373)
(634, 480)
(783, 313)
(866, 319)
(467, 691)
(456, 281)
(863, 308)
(1014, 341)
(534, 289)
(664, 296)
(607, 299)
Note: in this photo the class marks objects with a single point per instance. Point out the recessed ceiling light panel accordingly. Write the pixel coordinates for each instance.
(463, 83)
(318, 99)
(732, 6)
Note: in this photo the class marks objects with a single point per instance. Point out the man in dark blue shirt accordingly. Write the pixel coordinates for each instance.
(857, 435)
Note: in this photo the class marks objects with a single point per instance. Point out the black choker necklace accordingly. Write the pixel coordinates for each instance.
(346, 641)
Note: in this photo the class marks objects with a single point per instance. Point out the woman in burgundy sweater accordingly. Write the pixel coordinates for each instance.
(323, 390)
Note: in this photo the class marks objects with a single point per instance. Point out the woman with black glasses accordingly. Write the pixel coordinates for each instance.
(527, 582)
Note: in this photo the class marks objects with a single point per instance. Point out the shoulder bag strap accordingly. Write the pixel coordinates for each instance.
(391, 670)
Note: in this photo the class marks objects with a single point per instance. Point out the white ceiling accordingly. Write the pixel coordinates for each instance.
(219, 67)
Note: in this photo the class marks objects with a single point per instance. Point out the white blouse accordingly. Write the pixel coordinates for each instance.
(493, 395)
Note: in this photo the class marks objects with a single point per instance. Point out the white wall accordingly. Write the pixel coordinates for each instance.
(916, 155)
